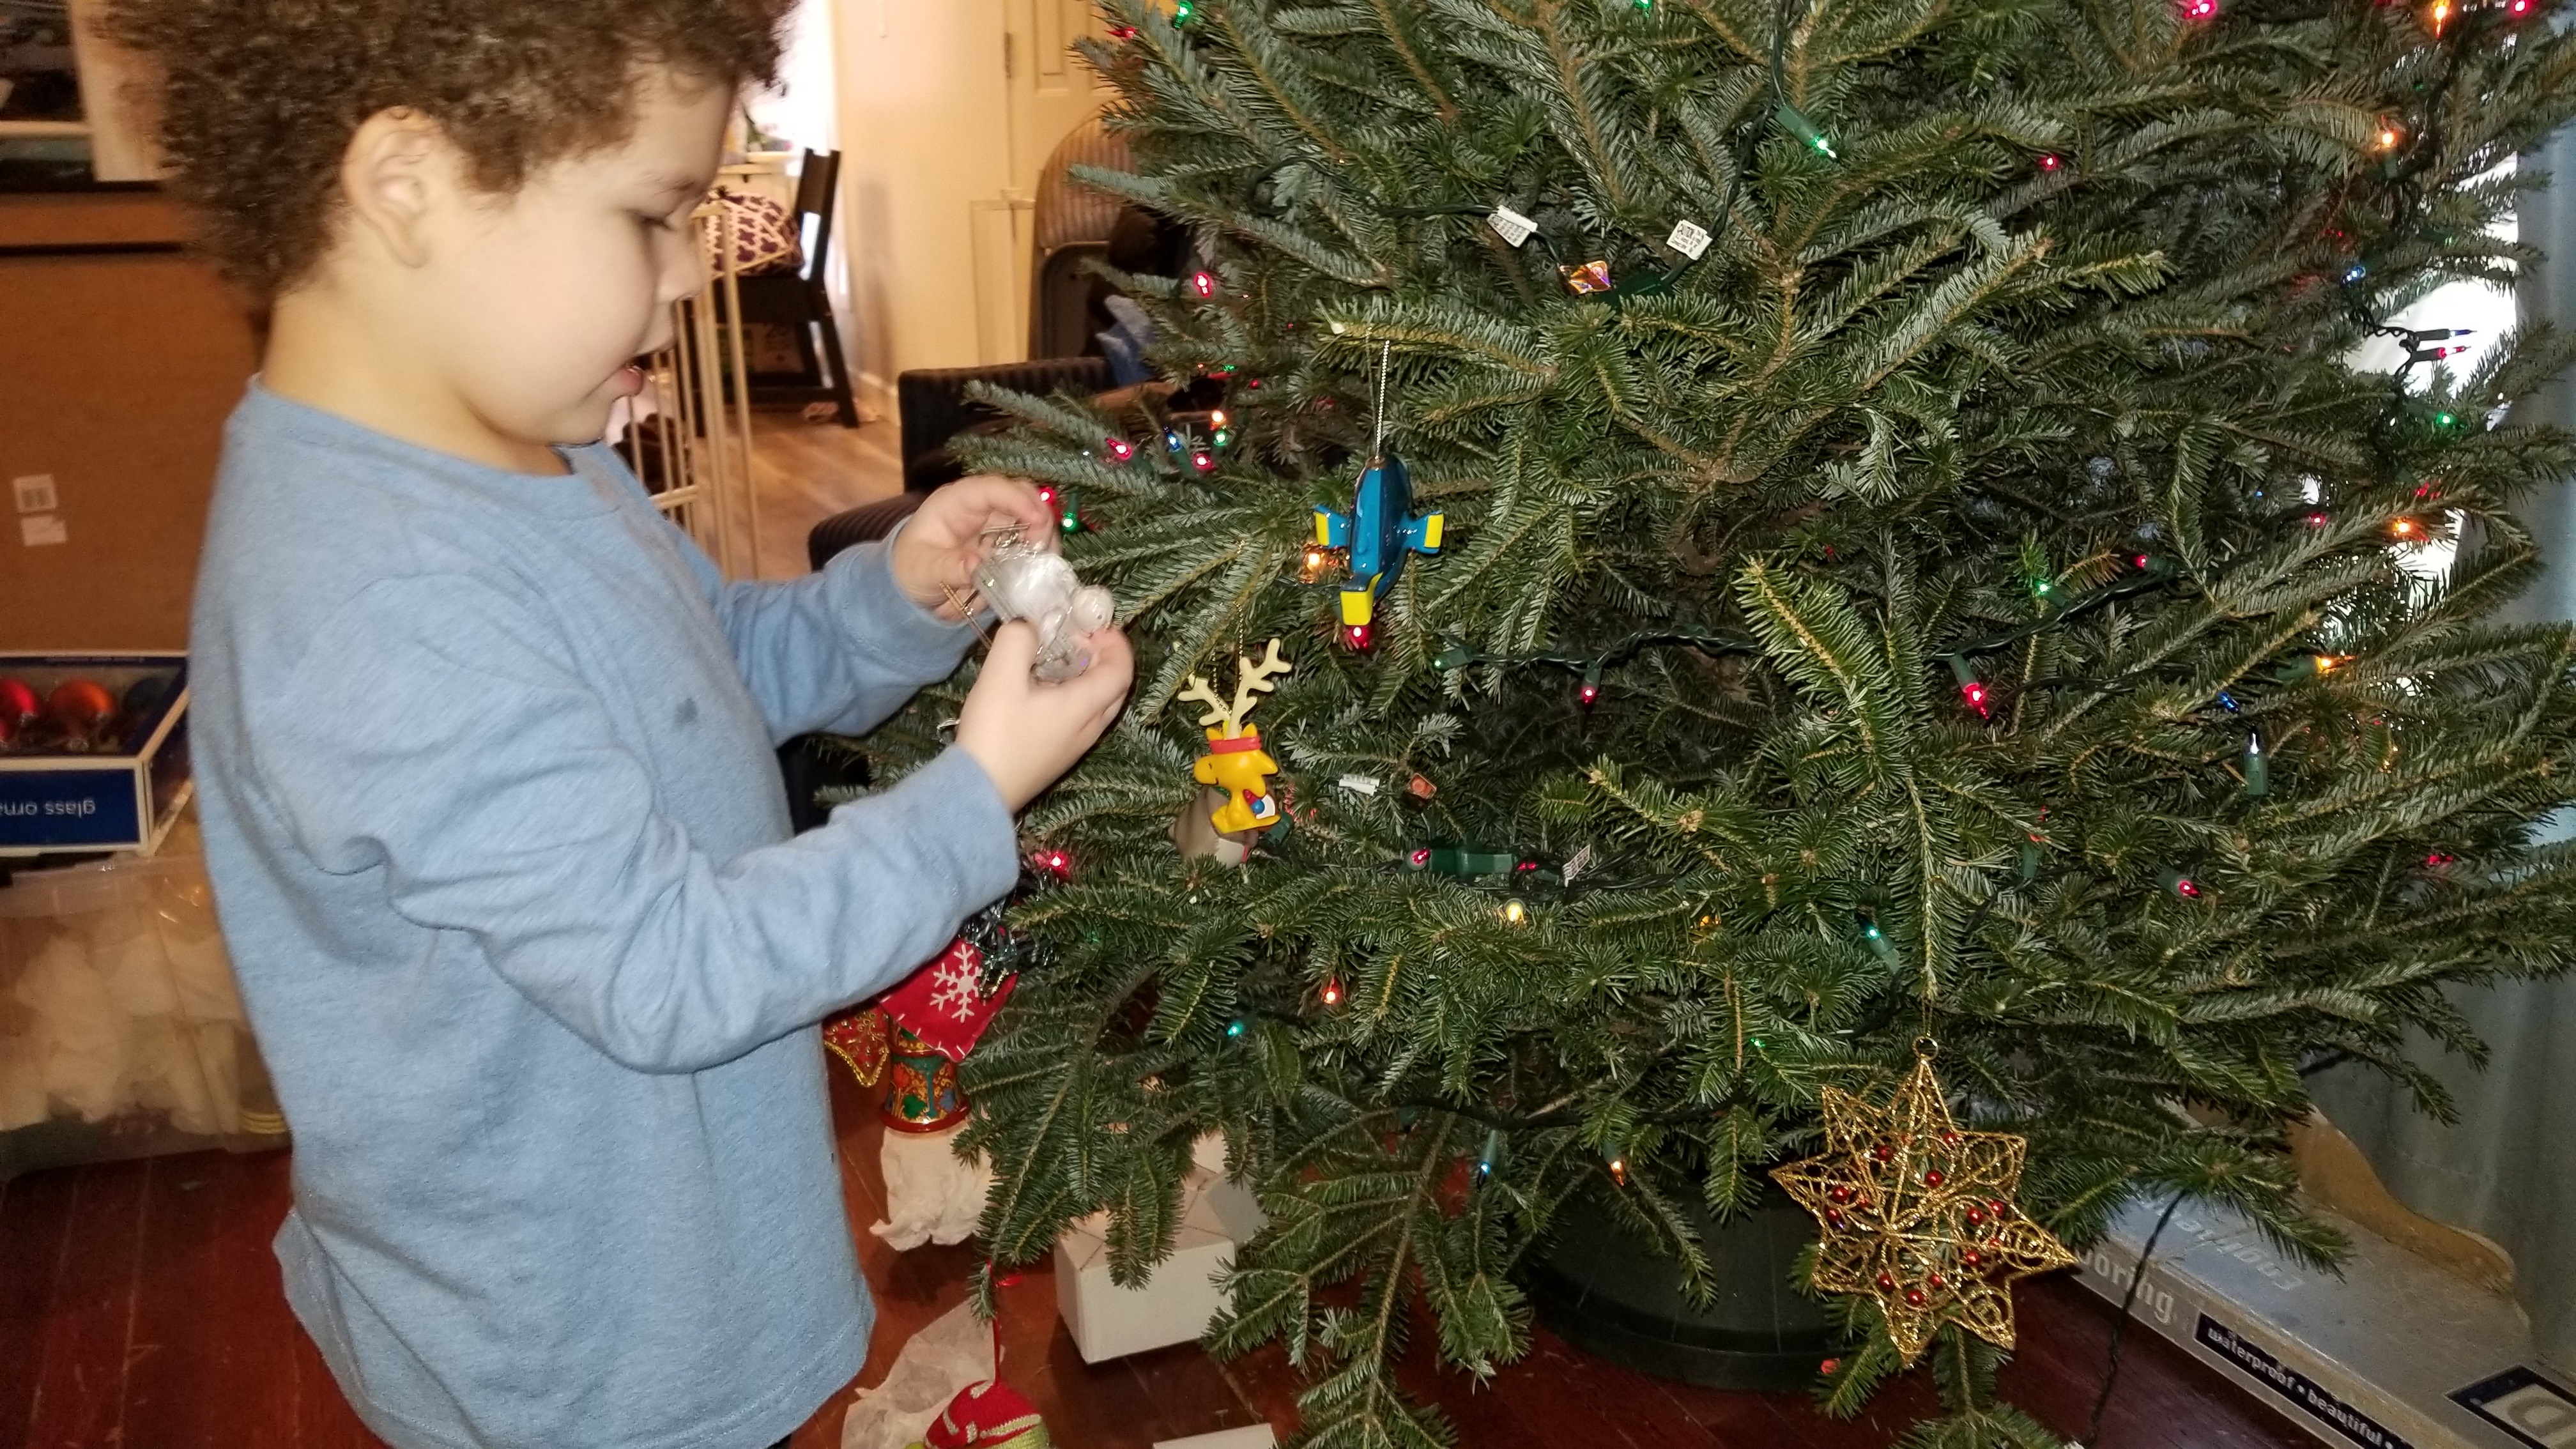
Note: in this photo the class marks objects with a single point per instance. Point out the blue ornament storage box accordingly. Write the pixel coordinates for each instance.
(119, 789)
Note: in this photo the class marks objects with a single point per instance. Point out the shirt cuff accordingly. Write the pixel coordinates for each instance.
(885, 622)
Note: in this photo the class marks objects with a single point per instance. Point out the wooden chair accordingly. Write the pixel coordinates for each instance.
(800, 302)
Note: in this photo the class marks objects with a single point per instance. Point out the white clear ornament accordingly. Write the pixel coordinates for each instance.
(1021, 581)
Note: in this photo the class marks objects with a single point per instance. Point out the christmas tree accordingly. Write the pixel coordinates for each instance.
(1900, 552)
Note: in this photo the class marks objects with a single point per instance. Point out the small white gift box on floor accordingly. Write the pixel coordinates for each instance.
(1174, 1305)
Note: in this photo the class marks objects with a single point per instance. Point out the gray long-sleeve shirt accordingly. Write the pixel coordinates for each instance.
(502, 858)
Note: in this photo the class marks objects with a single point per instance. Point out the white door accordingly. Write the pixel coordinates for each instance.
(1051, 90)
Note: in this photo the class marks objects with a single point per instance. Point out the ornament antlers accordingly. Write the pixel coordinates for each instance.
(1251, 681)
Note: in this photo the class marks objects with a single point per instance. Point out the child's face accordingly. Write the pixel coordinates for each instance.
(539, 300)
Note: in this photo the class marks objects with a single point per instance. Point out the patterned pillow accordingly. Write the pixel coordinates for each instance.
(764, 235)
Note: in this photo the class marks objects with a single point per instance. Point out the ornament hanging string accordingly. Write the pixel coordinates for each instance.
(1385, 362)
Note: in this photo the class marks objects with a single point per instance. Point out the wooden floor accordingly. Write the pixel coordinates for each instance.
(140, 1308)
(803, 473)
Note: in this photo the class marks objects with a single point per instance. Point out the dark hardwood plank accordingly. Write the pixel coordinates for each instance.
(35, 1221)
(207, 1242)
(81, 1378)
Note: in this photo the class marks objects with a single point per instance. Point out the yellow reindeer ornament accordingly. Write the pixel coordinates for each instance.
(1235, 761)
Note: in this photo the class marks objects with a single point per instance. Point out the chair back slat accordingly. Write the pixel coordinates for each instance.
(818, 179)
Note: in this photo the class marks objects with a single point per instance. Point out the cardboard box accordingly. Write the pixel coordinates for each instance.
(2395, 1354)
(1177, 1303)
(116, 787)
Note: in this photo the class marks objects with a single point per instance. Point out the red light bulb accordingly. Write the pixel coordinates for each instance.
(1118, 449)
(2187, 888)
(1123, 32)
(1203, 460)
(1203, 283)
(1333, 991)
(2200, 9)
(2437, 860)
(1421, 858)
(2050, 162)
(1974, 692)
(1359, 636)
(2518, 7)
(1046, 494)
(1055, 863)
(1588, 692)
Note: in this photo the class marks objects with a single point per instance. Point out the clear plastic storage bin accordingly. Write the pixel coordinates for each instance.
(121, 1032)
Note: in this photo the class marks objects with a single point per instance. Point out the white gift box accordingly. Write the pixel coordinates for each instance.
(1256, 1437)
(1179, 1300)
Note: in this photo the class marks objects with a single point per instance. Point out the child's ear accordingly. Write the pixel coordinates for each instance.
(391, 177)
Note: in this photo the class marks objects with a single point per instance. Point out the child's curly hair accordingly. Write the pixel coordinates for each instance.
(262, 96)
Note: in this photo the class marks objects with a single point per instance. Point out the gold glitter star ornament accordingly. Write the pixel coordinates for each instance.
(1919, 1215)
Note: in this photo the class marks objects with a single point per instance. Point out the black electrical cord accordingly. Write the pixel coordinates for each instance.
(2111, 1369)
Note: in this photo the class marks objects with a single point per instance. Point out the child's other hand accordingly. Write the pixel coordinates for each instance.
(936, 553)
(1024, 733)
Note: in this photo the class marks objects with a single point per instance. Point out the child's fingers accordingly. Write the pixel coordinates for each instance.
(1014, 652)
(1002, 502)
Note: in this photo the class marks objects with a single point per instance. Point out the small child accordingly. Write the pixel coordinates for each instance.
(491, 807)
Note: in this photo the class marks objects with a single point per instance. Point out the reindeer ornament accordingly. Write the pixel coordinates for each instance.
(1237, 805)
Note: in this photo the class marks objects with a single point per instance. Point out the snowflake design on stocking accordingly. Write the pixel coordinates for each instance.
(953, 987)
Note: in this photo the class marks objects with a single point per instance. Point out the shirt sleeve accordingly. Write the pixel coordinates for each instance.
(437, 731)
(838, 649)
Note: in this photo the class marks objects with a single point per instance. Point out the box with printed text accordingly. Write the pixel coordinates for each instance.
(93, 751)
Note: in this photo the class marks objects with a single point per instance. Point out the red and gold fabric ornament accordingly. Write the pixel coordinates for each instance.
(914, 1036)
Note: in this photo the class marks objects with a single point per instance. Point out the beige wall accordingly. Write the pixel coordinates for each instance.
(948, 108)
(120, 372)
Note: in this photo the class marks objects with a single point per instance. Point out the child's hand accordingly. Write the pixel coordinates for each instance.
(1025, 733)
(936, 553)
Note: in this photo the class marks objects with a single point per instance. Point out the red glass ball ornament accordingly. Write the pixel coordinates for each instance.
(1882, 1152)
(1937, 1282)
(1887, 1282)
(1914, 1298)
(18, 703)
(1998, 1207)
(1973, 1258)
(1949, 1139)
(1839, 1193)
(1976, 1217)
(77, 703)
(1833, 1217)
(1932, 1177)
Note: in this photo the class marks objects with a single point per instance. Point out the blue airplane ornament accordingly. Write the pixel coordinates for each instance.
(1379, 530)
